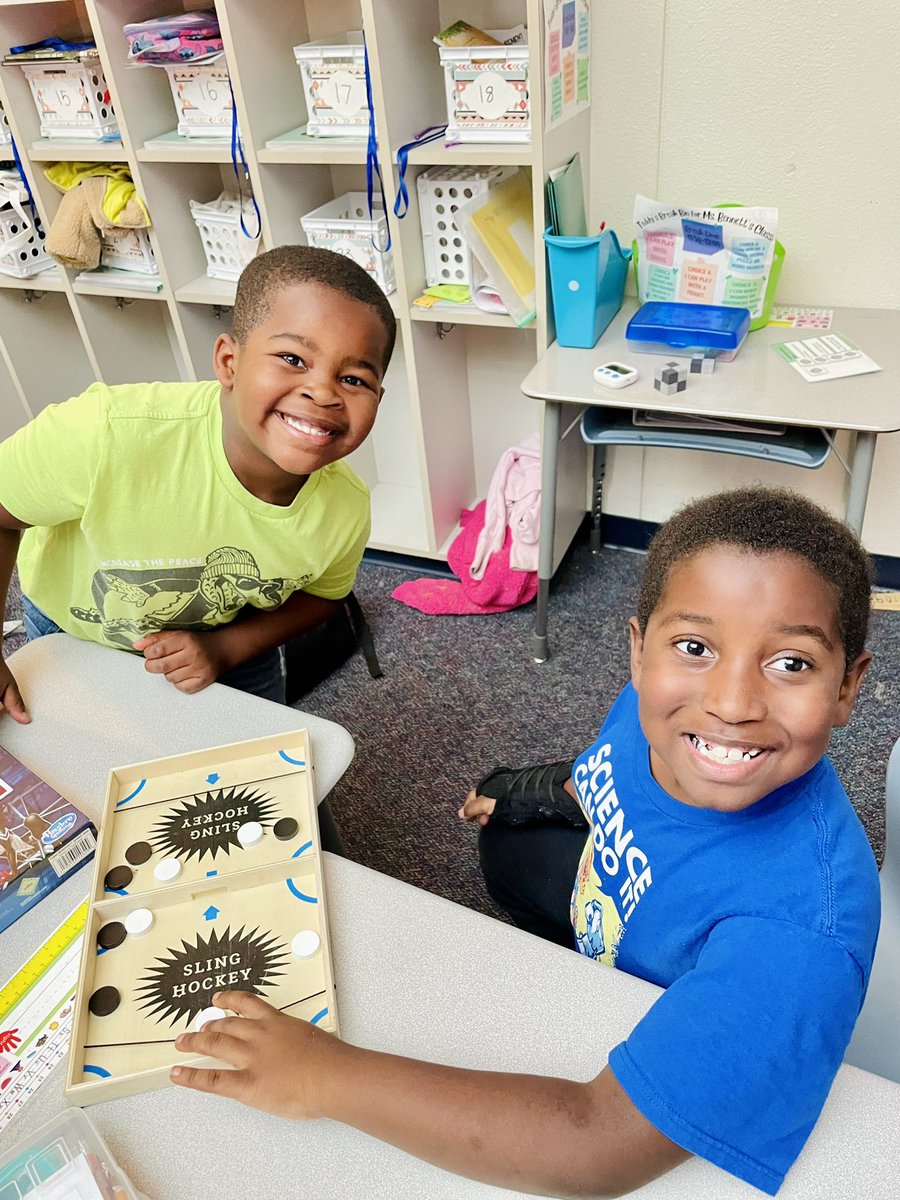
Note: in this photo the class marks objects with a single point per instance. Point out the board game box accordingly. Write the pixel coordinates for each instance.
(43, 839)
(208, 877)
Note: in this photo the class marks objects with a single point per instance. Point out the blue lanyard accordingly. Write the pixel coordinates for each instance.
(237, 154)
(431, 134)
(372, 167)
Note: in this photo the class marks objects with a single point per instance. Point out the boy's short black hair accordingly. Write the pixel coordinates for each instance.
(267, 274)
(767, 521)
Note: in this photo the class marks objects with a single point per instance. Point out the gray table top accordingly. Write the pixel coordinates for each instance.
(419, 976)
(757, 386)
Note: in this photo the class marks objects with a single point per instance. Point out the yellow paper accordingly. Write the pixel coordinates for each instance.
(505, 223)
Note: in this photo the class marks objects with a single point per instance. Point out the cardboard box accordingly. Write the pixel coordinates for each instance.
(44, 838)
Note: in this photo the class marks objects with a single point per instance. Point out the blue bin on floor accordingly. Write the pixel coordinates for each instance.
(587, 281)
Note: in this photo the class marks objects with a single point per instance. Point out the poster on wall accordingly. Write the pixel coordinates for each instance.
(567, 59)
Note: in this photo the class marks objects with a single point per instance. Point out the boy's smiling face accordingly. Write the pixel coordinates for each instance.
(741, 676)
(302, 390)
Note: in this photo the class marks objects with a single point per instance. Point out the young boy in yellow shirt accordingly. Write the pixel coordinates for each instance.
(703, 842)
(205, 524)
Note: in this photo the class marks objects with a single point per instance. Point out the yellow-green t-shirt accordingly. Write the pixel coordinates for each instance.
(140, 524)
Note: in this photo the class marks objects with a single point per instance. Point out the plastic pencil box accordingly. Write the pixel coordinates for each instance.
(714, 330)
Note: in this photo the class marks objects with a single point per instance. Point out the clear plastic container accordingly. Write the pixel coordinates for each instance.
(714, 330)
(65, 1157)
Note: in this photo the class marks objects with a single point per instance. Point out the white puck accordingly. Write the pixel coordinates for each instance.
(139, 922)
(208, 1014)
(305, 944)
(167, 869)
(250, 833)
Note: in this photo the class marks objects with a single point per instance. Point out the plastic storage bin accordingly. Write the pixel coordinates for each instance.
(488, 99)
(64, 1157)
(333, 72)
(22, 252)
(441, 192)
(203, 99)
(72, 98)
(228, 249)
(344, 225)
(587, 282)
(128, 250)
(714, 330)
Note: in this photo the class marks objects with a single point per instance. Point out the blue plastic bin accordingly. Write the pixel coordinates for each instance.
(587, 281)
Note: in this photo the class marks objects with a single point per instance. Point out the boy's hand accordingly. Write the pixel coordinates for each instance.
(278, 1060)
(188, 660)
(11, 697)
(477, 808)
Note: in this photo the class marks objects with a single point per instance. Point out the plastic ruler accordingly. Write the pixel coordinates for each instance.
(43, 959)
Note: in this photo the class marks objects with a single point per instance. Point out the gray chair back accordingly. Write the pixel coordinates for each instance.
(875, 1045)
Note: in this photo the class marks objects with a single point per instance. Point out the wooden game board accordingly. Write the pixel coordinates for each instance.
(229, 919)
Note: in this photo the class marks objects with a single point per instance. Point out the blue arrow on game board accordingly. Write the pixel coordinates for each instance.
(212, 778)
(211, 913)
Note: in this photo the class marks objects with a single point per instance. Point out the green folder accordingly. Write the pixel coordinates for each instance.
(565, 200)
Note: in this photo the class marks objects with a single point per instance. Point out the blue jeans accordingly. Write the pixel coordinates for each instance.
(263, 676)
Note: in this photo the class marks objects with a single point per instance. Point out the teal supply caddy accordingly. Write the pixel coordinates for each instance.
(587, 282)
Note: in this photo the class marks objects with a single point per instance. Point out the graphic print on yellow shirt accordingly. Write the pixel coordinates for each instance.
(133, 603)
(139, 524)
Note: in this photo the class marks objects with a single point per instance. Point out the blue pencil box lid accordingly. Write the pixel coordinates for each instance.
(711, 326)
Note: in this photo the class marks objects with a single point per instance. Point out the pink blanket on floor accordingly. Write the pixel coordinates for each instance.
(498, 590)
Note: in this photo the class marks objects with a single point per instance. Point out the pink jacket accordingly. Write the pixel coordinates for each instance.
(514, 502)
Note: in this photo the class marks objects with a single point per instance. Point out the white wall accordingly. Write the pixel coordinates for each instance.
(701, 102)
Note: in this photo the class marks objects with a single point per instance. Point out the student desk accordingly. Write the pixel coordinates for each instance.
(416, 975)
(758, 386)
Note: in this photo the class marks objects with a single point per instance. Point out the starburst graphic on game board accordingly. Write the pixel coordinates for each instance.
(208, 822)
(182, 982)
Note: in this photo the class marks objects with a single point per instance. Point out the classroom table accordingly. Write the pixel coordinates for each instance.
(415, 975)
(757, 386)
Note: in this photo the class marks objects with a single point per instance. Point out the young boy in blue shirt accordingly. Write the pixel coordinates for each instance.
(703, 842)
(205, 524)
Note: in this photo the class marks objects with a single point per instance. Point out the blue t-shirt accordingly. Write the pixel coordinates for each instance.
(760, 925)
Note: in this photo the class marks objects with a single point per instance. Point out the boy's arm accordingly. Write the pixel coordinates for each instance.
(524, 795)
(192, 661)
(530, 1132)
(10, 532)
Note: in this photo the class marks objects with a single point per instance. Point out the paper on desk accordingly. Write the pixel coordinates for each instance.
(831, 356)
(796, 317)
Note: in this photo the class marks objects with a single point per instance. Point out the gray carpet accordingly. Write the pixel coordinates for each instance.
(461, 695)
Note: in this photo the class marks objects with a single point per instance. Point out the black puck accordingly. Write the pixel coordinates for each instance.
(104, 1001)
(138, 852)
(118, 878)
(111, 935)
(285, 829)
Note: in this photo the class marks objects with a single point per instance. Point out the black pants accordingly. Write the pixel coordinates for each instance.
(529, 870)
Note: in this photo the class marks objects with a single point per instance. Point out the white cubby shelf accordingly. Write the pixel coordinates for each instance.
(452, 401)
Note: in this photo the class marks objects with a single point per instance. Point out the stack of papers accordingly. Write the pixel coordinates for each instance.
(666, 420)
(117, 281)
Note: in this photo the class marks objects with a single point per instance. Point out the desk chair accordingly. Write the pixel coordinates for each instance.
(875, 1045)
(602, 427)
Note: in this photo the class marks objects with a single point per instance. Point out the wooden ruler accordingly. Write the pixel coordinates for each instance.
(42, 960)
